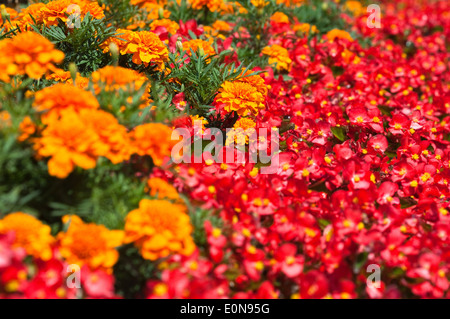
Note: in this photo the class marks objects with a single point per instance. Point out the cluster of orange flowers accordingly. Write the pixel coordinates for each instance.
(27, 53)
(54, 11)
(159, 228)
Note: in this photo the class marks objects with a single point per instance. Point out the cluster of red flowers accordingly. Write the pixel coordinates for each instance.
(363, 176)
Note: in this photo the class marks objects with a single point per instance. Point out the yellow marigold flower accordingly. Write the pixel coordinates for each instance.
(279, 56)
(196, 45)
(241, 97)
(30, 234)
(28, 53)
(89, 244)
(145, 46)
(62, 9)
(171, 26)
(279, 17)
(62, 96)
(340, 34)
(162, 189)
(159, 228)
(153, 139)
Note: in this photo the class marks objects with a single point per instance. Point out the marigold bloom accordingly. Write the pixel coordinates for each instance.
(26, 128)
(153, 11)
(213, 5)
(25, 17)
(62, 96)
(340, 34)
(159, 228)
(79, 138)
(305, 28)
(28, 53)
(289, 3)
(279, 17)
(30, 234)
(69, 142)
(241, 97)
(220, 25)
(198, 44)
(162, 189)
(89, 244)
(279, 56)
(254, 80)
(145, 46)
(171, 26)
(242, 130)
(62, 9)
(5, 119)
(111, 78)
(354, 7)
(259, 3)
(153, 139)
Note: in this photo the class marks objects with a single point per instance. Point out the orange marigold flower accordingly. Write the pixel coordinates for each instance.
(259, 3)
(161, 189)
(26, 128)
(354, 7)
(289, 3)
(62, 96)
(159, 228)
(153, 139)
(5, 119)
(146, 2)
(62, 9)
(255, 81)
(79, 138)
(279, 17)
(242, 130)
(89, 244)
(153, 11)
(112, 78)
(25, 17)
(304, 28)
(278, 56)
(221, 26)
(69, 142)
(198, 44)
(145, 46)
(241, 97)
(213, 5)
(29, 53)
(171, 26)
(30, 234)
(60, 75)
(340, 34)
